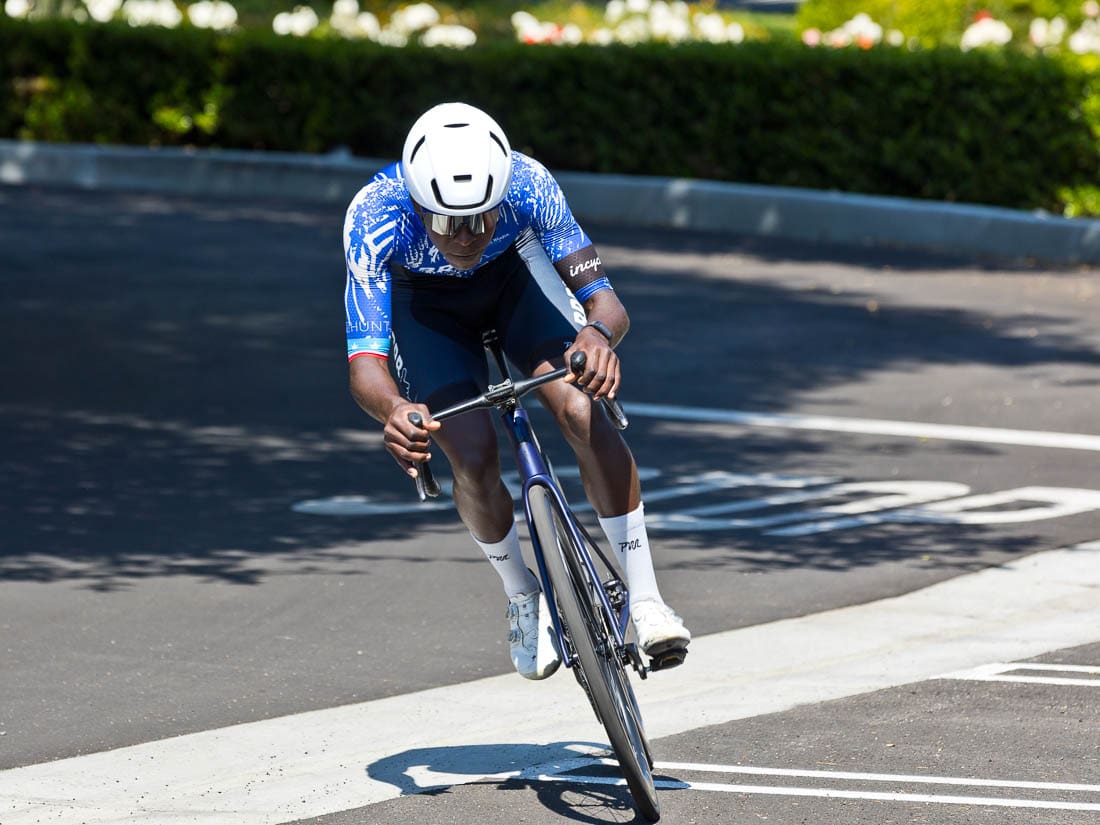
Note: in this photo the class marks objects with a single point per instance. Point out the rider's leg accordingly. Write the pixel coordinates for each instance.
(610, 477)
(484, 503)
(485, 506)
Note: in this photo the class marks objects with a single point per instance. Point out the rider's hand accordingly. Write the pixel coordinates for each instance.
(602, 372)
(407, 443)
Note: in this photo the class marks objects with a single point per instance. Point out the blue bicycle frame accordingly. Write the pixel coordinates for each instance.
(534, 471)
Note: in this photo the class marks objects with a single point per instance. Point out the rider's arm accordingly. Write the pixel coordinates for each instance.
(606, 308)
(374, 389)
(603, 373)
(368, 242)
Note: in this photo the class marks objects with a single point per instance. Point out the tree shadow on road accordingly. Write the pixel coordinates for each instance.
(174, 384)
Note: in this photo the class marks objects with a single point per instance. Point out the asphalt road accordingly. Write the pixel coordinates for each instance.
(175, 432)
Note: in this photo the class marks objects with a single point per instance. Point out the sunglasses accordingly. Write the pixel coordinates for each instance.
(448, 225)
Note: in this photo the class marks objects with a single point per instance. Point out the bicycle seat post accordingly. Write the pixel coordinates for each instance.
(491, 341)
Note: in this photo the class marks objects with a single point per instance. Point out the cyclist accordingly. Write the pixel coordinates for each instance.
(465, 234)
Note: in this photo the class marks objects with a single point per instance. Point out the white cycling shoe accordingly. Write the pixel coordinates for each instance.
(531, 638)
(659, 629)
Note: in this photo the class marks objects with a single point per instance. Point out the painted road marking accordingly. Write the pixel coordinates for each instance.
(828, 793)
(309, 764)
(861, 504)
(870, 426)
(1012, 672)
(855, 776)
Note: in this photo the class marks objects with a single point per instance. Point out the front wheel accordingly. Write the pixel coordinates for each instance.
(601, 670)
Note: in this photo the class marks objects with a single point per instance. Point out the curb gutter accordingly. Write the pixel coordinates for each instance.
(664, 203)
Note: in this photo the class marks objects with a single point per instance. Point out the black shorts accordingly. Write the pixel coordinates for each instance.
(437, 322)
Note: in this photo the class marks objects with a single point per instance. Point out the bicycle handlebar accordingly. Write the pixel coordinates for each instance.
(501, 395)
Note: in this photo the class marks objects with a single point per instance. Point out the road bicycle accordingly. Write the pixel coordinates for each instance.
(587, 598)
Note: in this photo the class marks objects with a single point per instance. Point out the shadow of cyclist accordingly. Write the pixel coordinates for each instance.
(589, 798)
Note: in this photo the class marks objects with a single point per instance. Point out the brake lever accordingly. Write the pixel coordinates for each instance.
(426, 485)
(577, 362)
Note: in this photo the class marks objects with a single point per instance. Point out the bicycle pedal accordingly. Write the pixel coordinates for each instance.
(665, 659)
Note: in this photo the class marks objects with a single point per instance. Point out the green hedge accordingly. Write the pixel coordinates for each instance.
(989, 127)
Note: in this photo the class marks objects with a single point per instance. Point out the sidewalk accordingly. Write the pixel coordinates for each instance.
(664, 203)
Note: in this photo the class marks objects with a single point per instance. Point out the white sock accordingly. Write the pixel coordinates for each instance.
(507, 559)
(630, 542)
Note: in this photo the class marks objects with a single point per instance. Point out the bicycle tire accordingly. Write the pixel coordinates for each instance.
(602, 674)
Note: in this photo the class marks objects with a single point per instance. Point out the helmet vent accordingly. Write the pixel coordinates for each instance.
(416, 149)
(499, 143)
(454, 125)
(463, 178)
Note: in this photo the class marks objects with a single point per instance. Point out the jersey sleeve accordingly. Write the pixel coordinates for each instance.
(566, 244)
(369, 236)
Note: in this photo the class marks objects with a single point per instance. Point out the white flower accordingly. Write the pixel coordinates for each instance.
(601, 37)
(1044, 33)
(299, 22)
(667, 22)
(862, 29)
(350, 22)
(212, 14)
(152, 13)
(368, 24)
(895, 38)
(18, 8)
(389, 37)
(632, 30)
(413, 18)
(812, 37)
(523, 20)
(455, 37)
(1086, 39)
(985, 32)
(103, 10)
(710, 26)
(571, 34)
(735, 33)
(615, 11)
(1091, 8)
(637, 6)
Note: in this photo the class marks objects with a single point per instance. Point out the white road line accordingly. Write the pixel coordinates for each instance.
(830, 793)
(306, 765)
(915, 779)
(1011, 672)
(870, 426)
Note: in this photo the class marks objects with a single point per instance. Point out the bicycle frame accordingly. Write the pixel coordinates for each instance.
(534, 471)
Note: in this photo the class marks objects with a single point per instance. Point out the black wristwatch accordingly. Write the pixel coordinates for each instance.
(601, 328)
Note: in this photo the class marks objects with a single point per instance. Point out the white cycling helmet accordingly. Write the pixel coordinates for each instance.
(456, 160)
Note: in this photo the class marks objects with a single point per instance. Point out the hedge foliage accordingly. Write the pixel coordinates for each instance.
(989, 127)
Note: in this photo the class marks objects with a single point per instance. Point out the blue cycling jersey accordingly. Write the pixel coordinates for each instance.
(382, 228)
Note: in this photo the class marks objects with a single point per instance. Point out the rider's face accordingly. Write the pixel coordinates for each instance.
(464, 249)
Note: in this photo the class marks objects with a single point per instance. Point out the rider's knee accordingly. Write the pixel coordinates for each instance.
(575, 419)
(475, 461)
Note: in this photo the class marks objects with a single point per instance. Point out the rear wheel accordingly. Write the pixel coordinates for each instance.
(601, 671)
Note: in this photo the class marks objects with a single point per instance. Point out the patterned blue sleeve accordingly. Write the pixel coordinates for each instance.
(551, 218)
(371, 227)
(565, 243)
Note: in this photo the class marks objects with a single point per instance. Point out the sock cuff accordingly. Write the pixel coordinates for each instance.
(511, 539)
(626, 522)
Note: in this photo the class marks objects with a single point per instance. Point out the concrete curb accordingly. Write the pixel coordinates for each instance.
(666, 203)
